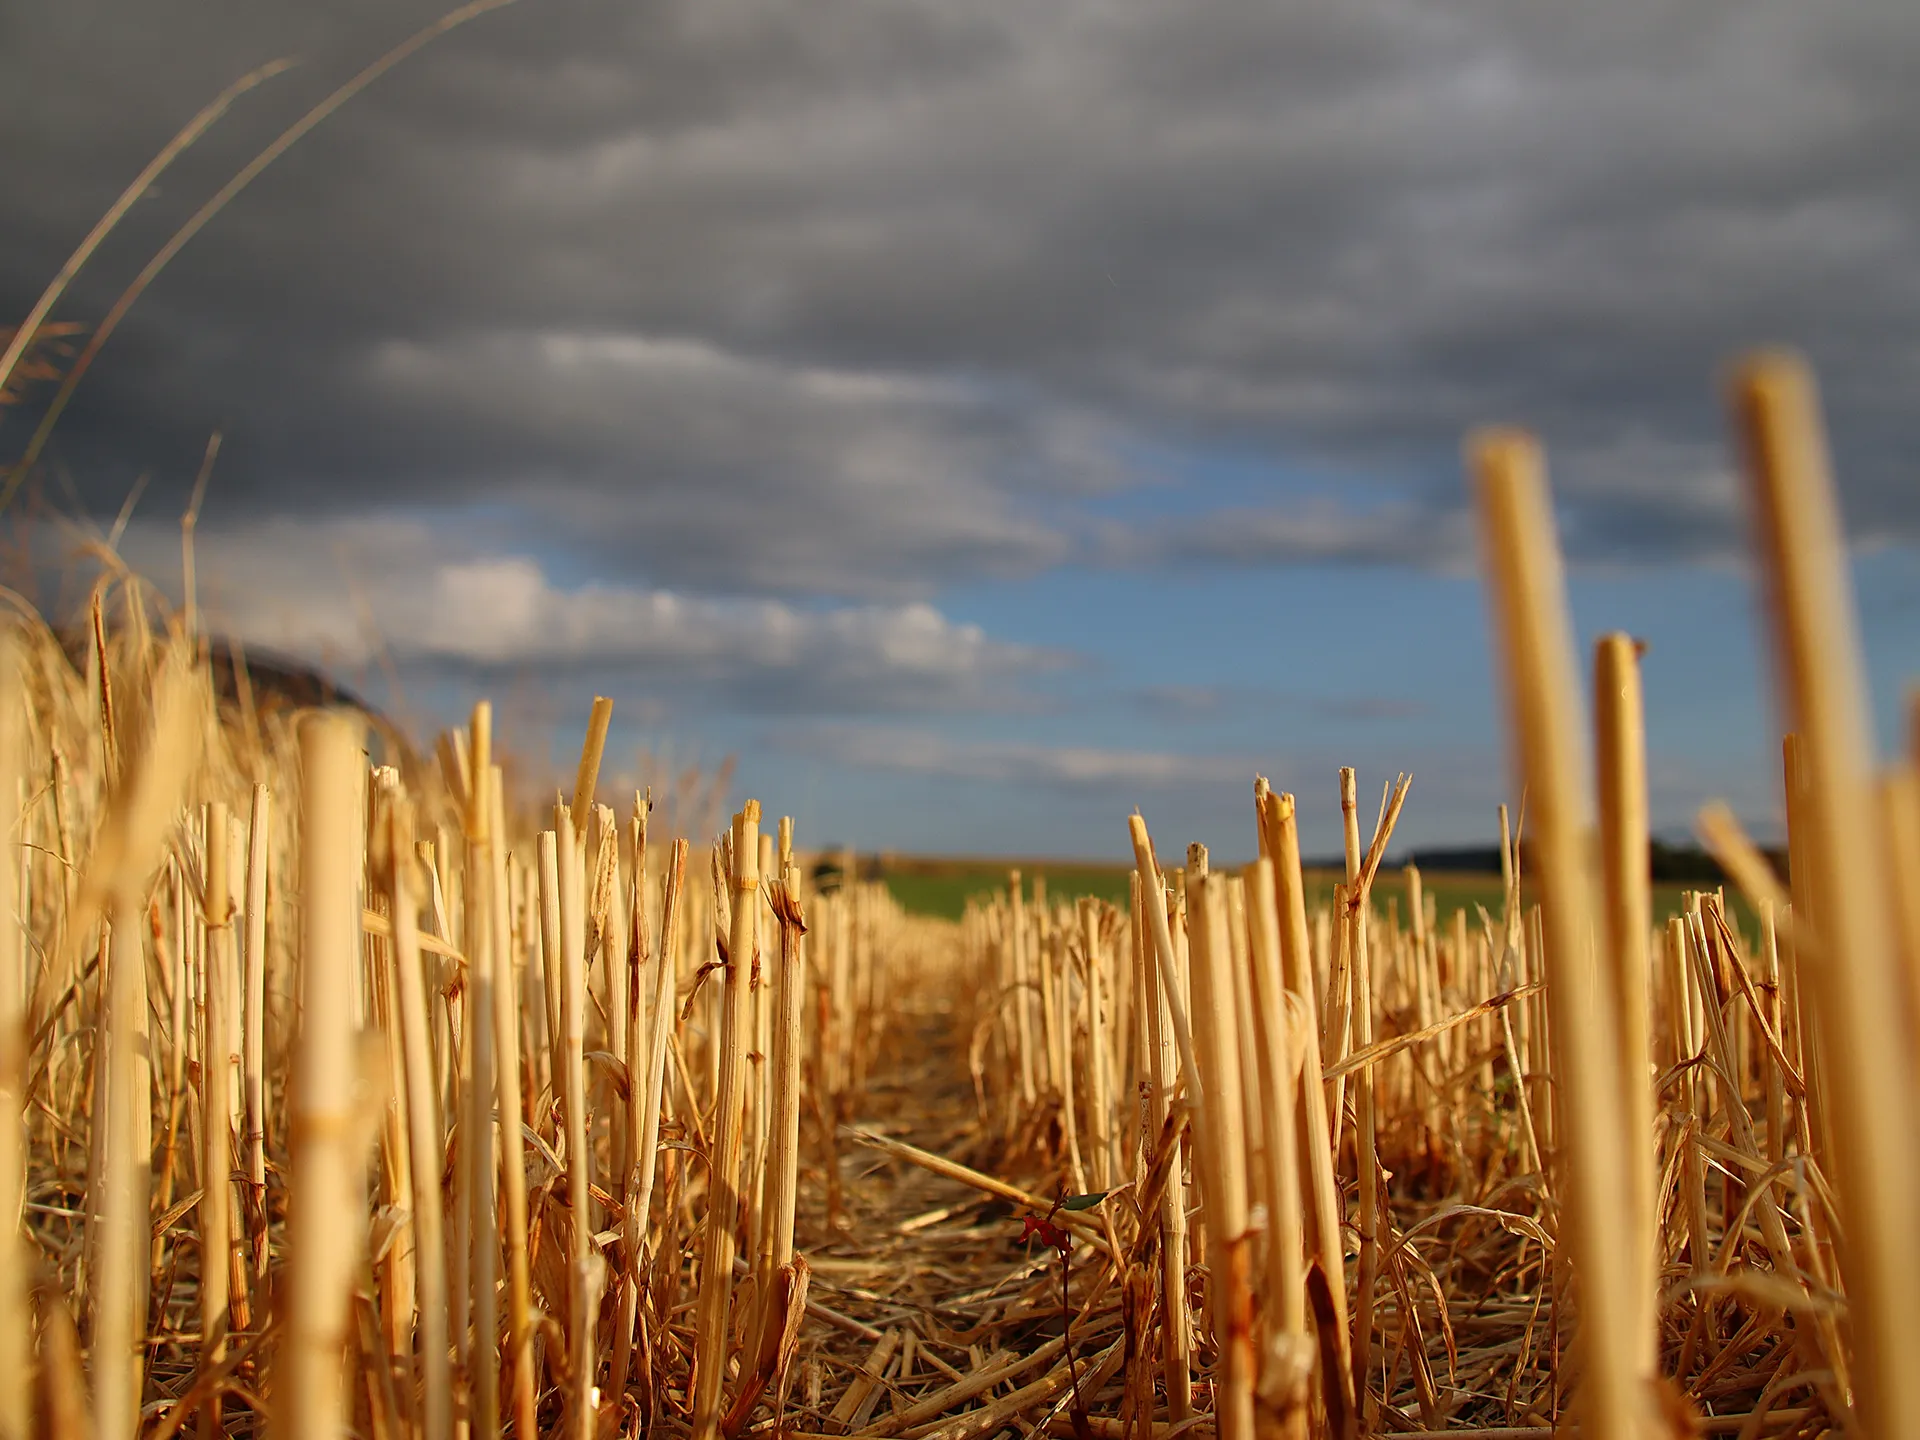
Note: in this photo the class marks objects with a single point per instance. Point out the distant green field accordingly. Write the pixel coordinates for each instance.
(942, 887)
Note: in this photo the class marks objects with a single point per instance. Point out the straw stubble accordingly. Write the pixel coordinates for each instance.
(1523, 559)
(723, 1205)
(1857, 1009)
(326, 1209)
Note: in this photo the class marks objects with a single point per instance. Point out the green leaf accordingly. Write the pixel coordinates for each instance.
(1083, 1202)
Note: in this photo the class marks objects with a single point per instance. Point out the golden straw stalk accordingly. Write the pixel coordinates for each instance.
(1529, 601)
(216, 1136)
(124, 860)
(1286, 1280)
(1223, 1145)
(723, 1203)
(478, 1150)
(254, 1041)
(424, 1129)
(1620, 739)
(561, 866)
(513, 1172)
(326, 1205)
(1855, 985)
(15, 932)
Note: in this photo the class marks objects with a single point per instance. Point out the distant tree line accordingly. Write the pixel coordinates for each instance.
(1668, 863)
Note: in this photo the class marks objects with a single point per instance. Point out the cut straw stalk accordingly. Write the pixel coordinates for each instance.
(1899, 796)
(125, 857)
(254, 1041)
(1290, 897)
(1162, 994)
(396, 1278)
(424, 1129)
(326, 1206)
(723, 1202)
(216, 1133)
(609, 943)
(1337, 1024)
(119, 1284)
(1528, 592)
(630, 1019)
(175, 949)
(1805, 915)
(560, 867)
(1366, 1091)
(513, 1172)
(1018, 944)
(782, 1282)
(1099, 1049)
(1223, 1145)
(1857, 1008)
(588, 775)
(753, 1179)
(1620, 735)
(776, 1245)
(659, 1040)
(15, 1312)
(477, 1147)
(1286, 1280)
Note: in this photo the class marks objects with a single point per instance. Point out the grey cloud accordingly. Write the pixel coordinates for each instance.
(1319, 531)
(723, 471)
(1331, 236)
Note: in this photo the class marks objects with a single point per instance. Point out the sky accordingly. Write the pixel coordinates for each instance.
(983, 420)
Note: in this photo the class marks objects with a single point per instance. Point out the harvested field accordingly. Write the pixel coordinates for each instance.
(351, 1100)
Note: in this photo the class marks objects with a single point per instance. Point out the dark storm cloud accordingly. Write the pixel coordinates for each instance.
(863, 297)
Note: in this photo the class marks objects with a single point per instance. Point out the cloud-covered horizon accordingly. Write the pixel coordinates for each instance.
(351, 594)
(893, 358)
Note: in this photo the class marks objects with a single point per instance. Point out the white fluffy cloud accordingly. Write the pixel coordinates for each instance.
(342, 592)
